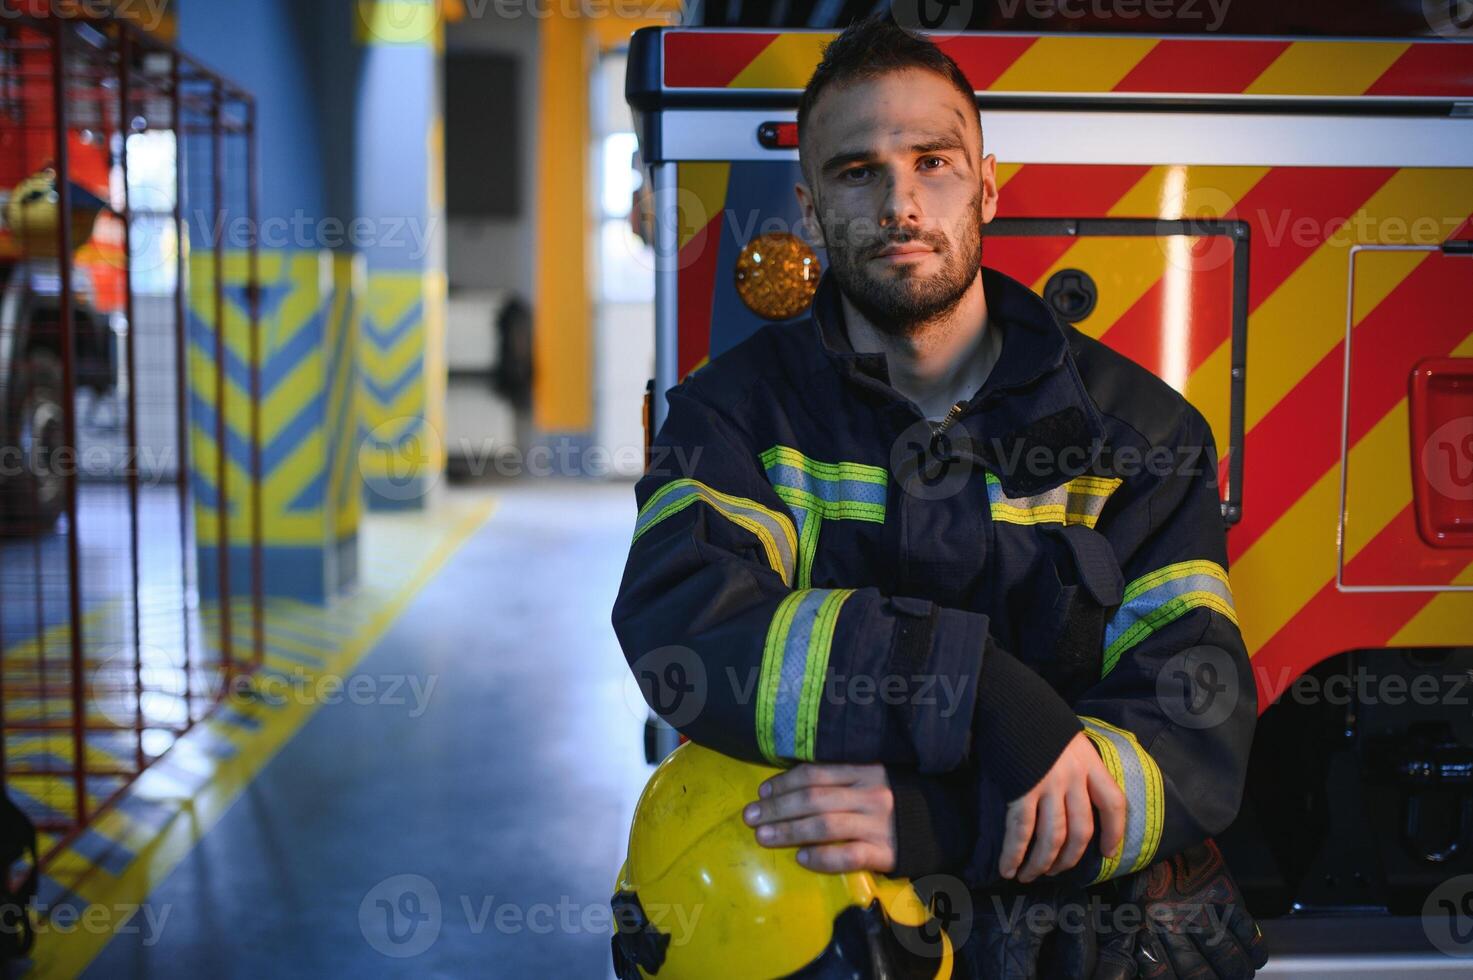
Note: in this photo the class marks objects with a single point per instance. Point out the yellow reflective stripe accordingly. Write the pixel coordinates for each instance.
(1140, 779)
(816, 491)
(787, 455)
(807, 546)
(1181, 569)
(1077, 501)
(854, 510)
(1108, 865)
(1154, 600)
(795, 659)
(772, 529)
(772, 668)
(815, 670)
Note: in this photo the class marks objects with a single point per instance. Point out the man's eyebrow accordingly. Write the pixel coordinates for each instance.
(951, 140)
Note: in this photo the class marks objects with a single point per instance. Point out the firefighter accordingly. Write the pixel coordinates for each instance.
(956, 567)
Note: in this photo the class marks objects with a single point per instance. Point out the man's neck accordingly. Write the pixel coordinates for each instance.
(942, 361)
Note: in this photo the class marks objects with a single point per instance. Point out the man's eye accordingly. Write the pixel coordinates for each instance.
(855, 174)
(933, 163)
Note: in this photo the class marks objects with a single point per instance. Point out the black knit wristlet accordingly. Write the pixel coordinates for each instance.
(934, 821)
(1021, 724)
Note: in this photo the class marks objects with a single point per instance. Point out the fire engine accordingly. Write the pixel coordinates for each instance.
(1280, 228)
(32, 410)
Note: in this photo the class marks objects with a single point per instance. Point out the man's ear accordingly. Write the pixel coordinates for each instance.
(809, 229)
(989, 187)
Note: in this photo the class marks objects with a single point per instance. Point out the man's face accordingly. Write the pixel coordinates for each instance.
(899, 191)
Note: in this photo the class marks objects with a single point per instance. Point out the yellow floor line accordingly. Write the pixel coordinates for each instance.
(158, 852)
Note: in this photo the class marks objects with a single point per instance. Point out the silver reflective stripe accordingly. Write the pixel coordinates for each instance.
(773, 530)
(794, 670)
(1144, 801)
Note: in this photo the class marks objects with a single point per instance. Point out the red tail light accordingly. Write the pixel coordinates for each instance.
(1441, 399)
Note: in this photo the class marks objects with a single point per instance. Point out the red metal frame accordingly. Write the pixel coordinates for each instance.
(105, 76)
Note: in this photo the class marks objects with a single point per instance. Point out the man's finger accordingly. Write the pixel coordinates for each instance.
(847, 857)
(807, 774)
(1110, 801)
(1081, 822)
(805, 802)
(1048, 837)
(1021, 815)
(825, 828)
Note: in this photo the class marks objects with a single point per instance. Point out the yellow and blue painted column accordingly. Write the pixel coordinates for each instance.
(309, 490)
(399, 181)
(312, 280)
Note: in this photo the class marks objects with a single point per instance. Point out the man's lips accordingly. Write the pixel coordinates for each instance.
(903, 252)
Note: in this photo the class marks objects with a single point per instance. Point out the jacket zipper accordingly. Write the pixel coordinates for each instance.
(951, 416)
(939, 429)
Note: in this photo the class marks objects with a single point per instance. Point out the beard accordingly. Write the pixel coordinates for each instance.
(901, 303)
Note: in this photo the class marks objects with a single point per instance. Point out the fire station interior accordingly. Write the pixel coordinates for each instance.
(333, 337)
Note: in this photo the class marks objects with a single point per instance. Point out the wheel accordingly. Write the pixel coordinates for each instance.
(32, 481)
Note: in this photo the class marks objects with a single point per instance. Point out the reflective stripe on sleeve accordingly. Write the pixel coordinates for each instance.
(795, 660)
(1139, 779)
(774, 530)
(1153, 600)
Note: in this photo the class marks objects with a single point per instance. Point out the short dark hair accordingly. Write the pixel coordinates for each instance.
(875, 46)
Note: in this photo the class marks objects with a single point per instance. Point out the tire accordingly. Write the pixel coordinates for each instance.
(32, 487)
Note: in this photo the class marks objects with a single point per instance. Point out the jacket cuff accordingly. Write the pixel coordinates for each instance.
(936, 652)
(1021, 724)
(934, 828)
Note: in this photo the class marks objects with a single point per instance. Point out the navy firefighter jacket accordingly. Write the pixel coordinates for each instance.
(820, 573)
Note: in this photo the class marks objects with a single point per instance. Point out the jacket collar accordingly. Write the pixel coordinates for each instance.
(1033, 342)
(1048, 407)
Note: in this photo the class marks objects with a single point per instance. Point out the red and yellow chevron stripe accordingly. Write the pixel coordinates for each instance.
(1121, 65)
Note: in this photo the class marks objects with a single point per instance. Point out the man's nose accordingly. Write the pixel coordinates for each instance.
(900, 208)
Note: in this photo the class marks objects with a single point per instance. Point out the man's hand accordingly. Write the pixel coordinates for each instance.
(1057, 815)
(845, 814)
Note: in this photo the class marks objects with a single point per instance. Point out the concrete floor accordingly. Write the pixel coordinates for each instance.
(474, 830)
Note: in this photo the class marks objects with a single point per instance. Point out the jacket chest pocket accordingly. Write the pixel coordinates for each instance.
(1071, 580)
(1082, 587)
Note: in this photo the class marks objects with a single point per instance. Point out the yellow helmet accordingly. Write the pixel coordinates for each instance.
(699, 899)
